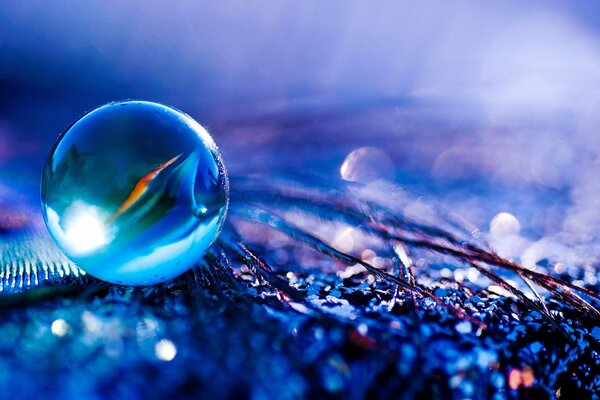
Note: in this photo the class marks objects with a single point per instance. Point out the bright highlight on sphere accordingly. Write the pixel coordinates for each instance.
(135, 192)
(86, 232)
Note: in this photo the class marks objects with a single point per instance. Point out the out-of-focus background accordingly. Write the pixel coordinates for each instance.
(483, 107)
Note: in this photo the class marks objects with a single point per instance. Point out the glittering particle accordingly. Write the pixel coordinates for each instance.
(363, 329)
(91, 323)
(499, 290)
(464, 327)
(455, 381)
(351, 271)
(485, 358)
(517, 378)
(514, 379)
(60, 328)
(535, 347)
(527, 377)
(165, 350)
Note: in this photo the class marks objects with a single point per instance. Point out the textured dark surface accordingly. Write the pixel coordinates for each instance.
(293, 322)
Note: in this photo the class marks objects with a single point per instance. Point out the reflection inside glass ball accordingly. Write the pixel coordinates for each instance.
(134, 192)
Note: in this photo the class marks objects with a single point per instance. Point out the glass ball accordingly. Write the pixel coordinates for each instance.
(134, 192)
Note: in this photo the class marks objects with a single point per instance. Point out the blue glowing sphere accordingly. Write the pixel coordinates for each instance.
(135, 192)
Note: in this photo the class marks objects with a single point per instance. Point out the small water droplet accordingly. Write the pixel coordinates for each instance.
(367, 164)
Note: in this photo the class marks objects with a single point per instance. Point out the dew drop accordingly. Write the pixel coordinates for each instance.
(367, 164)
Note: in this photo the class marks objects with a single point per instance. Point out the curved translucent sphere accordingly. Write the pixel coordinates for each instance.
(134, 192)
(367, 164)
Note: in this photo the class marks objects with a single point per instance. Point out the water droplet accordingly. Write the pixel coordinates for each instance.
(134, 189)
(367, 164)
(60, 328)
(504, 224)
(165, 350)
